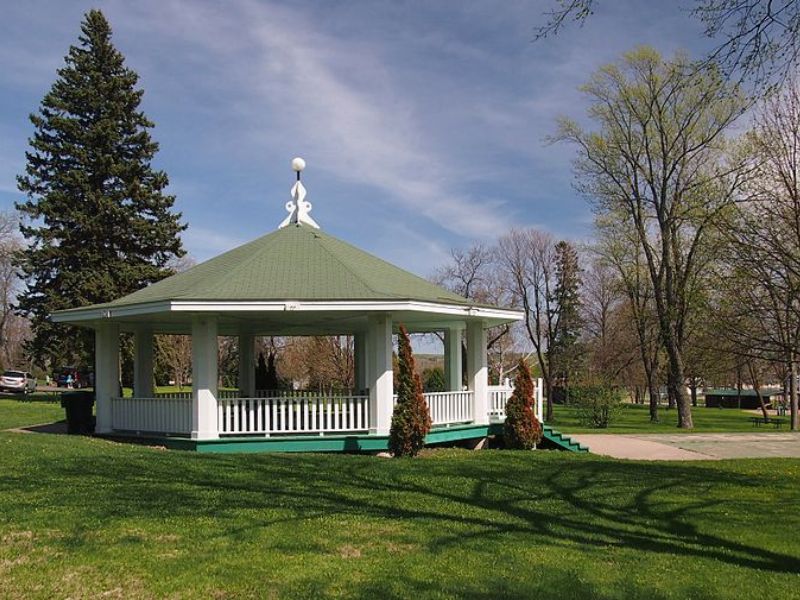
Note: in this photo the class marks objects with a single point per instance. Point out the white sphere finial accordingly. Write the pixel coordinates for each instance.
(298, 164)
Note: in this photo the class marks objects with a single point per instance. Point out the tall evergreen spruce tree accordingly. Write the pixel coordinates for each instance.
(564, 347)
(411, 420)
(99, 224)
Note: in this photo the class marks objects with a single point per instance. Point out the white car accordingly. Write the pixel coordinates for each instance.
(18, 382)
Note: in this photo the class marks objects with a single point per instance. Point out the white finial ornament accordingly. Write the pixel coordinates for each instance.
(298, 164)
(298, 207)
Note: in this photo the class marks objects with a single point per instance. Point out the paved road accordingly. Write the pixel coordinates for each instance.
(693, 446)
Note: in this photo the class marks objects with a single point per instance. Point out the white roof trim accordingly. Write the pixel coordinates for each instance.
(96, 314)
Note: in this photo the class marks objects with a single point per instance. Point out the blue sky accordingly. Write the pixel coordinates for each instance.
(422, 123)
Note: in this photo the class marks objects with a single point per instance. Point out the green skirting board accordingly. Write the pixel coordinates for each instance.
(348, 443)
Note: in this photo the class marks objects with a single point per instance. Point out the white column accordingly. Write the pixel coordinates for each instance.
(360, 367)
(204, 378)
(143, 363)
(247, 366)
(539, 400)
(452, 359)
(477, 371)
(106, 373)
(381, 383)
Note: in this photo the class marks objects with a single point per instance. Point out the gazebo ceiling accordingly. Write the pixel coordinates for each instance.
(296, 279)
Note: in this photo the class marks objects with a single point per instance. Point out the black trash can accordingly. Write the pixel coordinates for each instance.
(78, 406)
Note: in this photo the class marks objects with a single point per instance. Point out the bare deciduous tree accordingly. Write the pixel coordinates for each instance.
(617, 246)
(528, 260)
(657, 160)
(13, 328)
(473, 273)
(174, 352)
(763, 262)
(322, 363)
(610, 337)
(757, 39)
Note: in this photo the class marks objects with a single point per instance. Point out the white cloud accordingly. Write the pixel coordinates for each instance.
(298, 87)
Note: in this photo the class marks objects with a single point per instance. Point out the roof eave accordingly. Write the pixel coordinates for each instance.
(109, 311)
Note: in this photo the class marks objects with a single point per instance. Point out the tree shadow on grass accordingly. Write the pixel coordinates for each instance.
(462, 499)
(550, 582)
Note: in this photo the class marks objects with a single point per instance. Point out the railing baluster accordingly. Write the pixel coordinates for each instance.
(314, 425)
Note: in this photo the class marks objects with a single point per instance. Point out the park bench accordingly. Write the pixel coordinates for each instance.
(759, 421)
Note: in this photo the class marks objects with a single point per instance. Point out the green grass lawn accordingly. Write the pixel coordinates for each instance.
(33, 410)
(82, 517)
(635, 418)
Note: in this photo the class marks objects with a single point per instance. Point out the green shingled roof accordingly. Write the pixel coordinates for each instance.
(296, 262)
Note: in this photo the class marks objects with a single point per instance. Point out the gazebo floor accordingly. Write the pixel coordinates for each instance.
(338, 443)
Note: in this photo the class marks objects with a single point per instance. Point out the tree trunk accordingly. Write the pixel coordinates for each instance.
(672, 399)
(693, 388)
(793, 393)
(676, 387)
(757, 389)
(786, 391)
(549, 400)
(655, 396)
(739, 388)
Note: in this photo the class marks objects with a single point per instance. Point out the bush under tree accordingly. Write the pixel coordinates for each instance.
(522, 430)
(411, 419)
(598, 404)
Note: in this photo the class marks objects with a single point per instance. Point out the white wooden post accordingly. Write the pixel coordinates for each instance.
(478, 372)
(381, 376)
(106, 373)
(360, 351)
(143, 363)
(204, 378)
(539, 400)
(247, 366)
(452, 359)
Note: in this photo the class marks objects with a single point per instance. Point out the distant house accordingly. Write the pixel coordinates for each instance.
(747, 399)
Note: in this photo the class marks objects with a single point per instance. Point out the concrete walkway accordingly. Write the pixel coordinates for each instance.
(694, 446)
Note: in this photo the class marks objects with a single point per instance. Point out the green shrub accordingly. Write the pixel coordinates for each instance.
(521, 429)
(598, 404)
(411, 419)
(433, 380)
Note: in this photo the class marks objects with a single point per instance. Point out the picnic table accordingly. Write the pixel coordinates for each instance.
(759, 421)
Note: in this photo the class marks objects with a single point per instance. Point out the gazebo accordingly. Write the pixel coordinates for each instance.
(295, 281)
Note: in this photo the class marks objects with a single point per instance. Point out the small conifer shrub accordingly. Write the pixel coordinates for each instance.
(411, 419)
(522, 429)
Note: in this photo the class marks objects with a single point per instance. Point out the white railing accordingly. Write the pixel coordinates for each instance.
(152, 415)
(293, 415)
(308, 393)
(188, 394)
(174, 395)
(448, 408)
(499, 395)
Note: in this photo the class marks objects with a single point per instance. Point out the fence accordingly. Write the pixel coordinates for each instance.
(293, 415)
(499, 395)
(152, 415)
